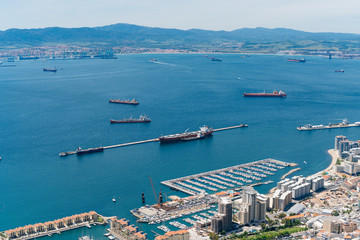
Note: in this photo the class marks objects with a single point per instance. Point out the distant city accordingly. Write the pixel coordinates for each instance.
(126, 38)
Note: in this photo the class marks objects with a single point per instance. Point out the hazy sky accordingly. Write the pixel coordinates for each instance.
(307, 15)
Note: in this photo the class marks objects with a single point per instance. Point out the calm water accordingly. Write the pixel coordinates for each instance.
(43, 113)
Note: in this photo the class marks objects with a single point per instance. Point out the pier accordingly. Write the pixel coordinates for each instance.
(150, 140)
(224, 178)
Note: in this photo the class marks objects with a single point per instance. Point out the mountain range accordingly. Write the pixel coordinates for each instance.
(140, 36)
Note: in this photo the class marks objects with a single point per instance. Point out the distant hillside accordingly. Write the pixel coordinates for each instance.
(139, 36)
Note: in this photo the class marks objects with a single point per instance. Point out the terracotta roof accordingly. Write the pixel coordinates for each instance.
(131, 228)
(123, 221)
(162, 237)
(179, 232)
(295, 216)
(220, 193)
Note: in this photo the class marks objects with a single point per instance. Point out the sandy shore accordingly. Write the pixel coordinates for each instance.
(334, 157)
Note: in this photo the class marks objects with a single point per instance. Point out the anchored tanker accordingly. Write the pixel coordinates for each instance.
(80, 151)
(133, 102)
(273, 94)
(141, 119)
(187, 136)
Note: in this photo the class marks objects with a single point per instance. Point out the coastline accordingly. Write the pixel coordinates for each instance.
(334, 156)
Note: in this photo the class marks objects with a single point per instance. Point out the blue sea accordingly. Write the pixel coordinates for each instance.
(45, 113)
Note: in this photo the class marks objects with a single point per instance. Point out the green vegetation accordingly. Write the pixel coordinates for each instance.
(100, 219)
(260, 40)
(348, 211)
(271, 234)
(338, 161)
(335, 213)
(213, 236)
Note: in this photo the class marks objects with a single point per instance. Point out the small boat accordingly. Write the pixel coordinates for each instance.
(88, 225)
(305, 162)
(114, 199)
(302, 60)
(49, 69)
(153, 60)
(341, 70)
(107, 234)
(85, 238)
(111, 237)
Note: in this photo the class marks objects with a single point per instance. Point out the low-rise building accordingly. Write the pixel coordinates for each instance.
(175, 235)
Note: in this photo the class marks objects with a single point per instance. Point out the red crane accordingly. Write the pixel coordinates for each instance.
(152, 185)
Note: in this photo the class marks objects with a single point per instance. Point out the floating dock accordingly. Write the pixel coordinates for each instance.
(225, 178)
(151, 140)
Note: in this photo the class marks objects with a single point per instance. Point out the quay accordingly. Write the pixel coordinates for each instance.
(54, 227)
(150, 140)
(290, 172)
(199, 183)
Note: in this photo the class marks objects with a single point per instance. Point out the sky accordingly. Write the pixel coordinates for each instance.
(307, 15)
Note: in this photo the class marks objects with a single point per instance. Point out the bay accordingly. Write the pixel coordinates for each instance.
(44, 113)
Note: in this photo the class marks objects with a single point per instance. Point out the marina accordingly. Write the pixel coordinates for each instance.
(63, 154)
(203, 182)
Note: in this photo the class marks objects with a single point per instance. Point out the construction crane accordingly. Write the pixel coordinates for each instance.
(152, 185)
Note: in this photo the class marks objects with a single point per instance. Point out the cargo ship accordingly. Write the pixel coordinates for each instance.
(187, 136)
(80, 151)
(343, 124)
(296, 60)
(133, 102)
(141, 119)
(273, 94)
(49, 69)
